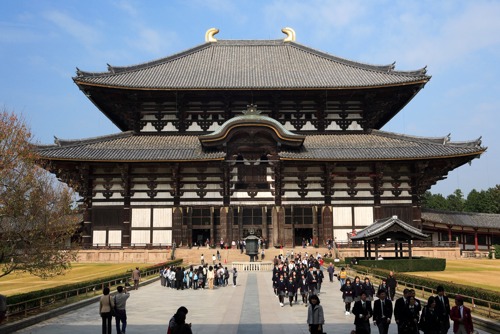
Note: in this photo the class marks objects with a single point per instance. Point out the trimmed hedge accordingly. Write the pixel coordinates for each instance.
(81, 287)
(451, 288)
(407, 265)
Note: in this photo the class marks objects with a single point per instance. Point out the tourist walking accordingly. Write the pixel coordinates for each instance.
(342, 276)
(382, 312)
(410, 317)
(400, 308)
(106, 304)
(331, 270)
(120, 300)
(315, 315)
(347, 295)
(429, 319)
(136, 277)
(461, 317)
(392, 284)
(362, 311)
(443, 310)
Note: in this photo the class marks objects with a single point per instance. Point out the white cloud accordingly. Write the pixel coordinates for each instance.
(441, 36)
(85, 34)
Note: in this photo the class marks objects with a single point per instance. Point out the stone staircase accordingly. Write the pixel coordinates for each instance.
(191, 256)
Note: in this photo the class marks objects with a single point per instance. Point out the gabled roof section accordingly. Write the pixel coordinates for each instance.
(127, 147)
(381, 145)
(250, 64)
(462, 219)
(374, 146)
(252, 118)
(387, 226)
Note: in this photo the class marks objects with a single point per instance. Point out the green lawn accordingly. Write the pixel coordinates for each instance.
(483, 272)
(17, 283)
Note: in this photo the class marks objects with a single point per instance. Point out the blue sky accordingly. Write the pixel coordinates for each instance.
(42, 42)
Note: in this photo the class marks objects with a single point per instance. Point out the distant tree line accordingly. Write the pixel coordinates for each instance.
(485, 201)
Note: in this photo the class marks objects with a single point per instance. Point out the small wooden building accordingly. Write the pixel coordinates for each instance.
(234, 135)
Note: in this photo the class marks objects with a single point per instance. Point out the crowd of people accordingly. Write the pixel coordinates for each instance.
(410, 316)
(298, 278)
(197, 277)
(296, 275)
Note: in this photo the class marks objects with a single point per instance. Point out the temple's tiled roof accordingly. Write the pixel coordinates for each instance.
(250, 64)
(464, 219)
(376, 145)
(126, 146)
(382, 225)
(379, 145)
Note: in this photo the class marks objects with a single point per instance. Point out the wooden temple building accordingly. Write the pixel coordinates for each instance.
(238, 135)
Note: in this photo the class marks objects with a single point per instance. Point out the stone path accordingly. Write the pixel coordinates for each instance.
(251, 307)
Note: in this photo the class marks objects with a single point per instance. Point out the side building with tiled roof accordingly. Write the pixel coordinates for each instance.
(472, 231)
(239, 135)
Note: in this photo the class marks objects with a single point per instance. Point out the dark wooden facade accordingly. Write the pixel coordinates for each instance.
(195, 162)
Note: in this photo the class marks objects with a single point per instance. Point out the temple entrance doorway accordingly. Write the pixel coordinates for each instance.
(302, 233)
(200, 236)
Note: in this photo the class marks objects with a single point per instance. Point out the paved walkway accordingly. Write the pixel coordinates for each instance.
(251, 307)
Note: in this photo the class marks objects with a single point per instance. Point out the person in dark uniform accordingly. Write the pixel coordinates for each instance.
(400, 308)
(410, 317)
(443, 310)
(429, 319)
(382, 312)
(392, 284)
(282, 289)
(362, 311)
(291, 289)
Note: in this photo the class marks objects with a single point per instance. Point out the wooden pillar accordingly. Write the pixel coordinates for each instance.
(376, 249)
(396, 249)
(86, 183)
(327, 222)
(449, 233)
(278, 216)
(127, 211)
(365, 245)
(213, 235)
(316, 235)
(409, 248)
(177, 215)
(476, 244)
(264, 224)
(225, 224)
(377, 181)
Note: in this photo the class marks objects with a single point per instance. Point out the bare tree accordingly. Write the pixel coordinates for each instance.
(37, 219)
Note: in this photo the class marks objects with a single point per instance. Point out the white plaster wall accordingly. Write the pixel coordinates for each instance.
(162, 217)
(342, 216)
(141, 217)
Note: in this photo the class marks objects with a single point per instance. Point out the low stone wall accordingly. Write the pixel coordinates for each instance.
(449, 253)
(123, 255)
